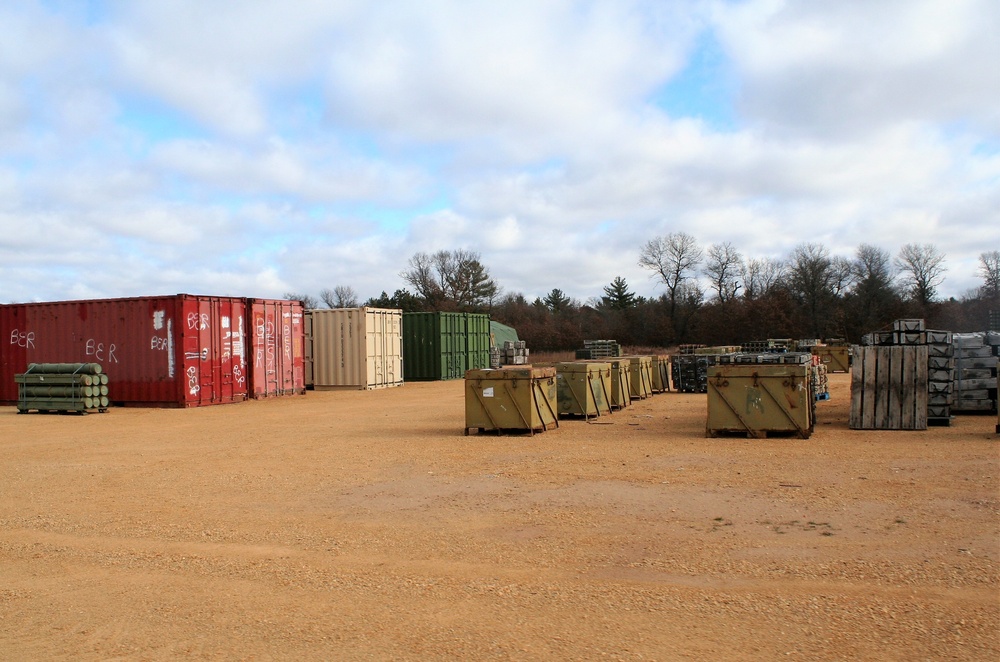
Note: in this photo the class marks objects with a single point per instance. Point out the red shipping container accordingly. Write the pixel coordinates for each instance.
(277, 347)
(169, 351)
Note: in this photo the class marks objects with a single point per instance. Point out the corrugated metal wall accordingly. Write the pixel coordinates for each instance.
(277, 341)
(477, 340)
(434, 346)
(180, 350)
(356, 348)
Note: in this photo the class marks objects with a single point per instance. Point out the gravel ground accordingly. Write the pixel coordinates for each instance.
(365, 525)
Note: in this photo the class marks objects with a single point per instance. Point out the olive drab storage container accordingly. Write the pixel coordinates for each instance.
(277, 340)
(620, 370)
(660, 367)
(355, 348)
(513, 398)
(758, 399)
(836, 358)
(583, 388)
(640, 376)
(170, 351)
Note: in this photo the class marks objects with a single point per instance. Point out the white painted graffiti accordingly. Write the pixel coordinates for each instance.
(194, 356)
(101, 352)
(238, 375)
(158, 319)
(159, 344)
(265, 344)
(170, 348)
(198, 321)
(288, 342)
(193, 385)
(24, 339)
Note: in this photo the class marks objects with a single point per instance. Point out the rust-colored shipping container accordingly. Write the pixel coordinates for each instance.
(276, 332)
(168, 351)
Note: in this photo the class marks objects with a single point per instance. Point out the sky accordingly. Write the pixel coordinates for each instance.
(257, 148)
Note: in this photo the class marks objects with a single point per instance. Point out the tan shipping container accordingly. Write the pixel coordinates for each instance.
(354, 348)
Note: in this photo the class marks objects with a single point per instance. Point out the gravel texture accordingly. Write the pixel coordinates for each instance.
(357, 525)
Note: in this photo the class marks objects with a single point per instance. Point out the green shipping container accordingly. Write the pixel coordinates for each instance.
(435, 346)
(477, 329)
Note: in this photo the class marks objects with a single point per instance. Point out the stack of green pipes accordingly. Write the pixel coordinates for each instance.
(76, 387)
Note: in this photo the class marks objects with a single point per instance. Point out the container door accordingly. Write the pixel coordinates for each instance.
(208, 351)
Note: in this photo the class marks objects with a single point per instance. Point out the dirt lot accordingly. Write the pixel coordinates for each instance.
(365, 525)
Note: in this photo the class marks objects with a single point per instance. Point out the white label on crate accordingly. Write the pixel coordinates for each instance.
(488, 392)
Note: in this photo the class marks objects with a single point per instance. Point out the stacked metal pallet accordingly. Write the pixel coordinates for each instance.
(599, 349)
(62, 387)
(689, 372)
(754, 346)
(940, 376)
(975, 384)
(513, 352)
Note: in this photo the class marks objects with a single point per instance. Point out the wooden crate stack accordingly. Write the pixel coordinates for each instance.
(513, 352)
(889, 387)
(599, 349)
(940, 376)
(975, 373)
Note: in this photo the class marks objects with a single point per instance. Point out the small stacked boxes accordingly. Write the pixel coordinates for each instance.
(513, 352)
(62, 387)
(599, 349)
(940, 376)
(690, 372)
(976, 372)
(820, 380)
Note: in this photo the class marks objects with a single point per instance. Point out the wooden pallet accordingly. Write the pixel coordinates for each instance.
(889, 388)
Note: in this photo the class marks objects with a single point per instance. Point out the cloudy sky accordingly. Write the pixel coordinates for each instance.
(260, 147)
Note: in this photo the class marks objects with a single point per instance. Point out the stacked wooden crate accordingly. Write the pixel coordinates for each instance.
(513, 352)
(976, 356)
(940, 376)
(889, 381)
(599, 349)
(820, 380)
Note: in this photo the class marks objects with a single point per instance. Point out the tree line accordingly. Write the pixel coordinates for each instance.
(714, 295)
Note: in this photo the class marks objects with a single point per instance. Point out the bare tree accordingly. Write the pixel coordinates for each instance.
(841, 274)
(342, 296)
(812, 281)
(761, 275)
(872, 301)
(674, 259)
(724, 267)
(921, 267)
(989, 269)
(308, 302)
(452, 279)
